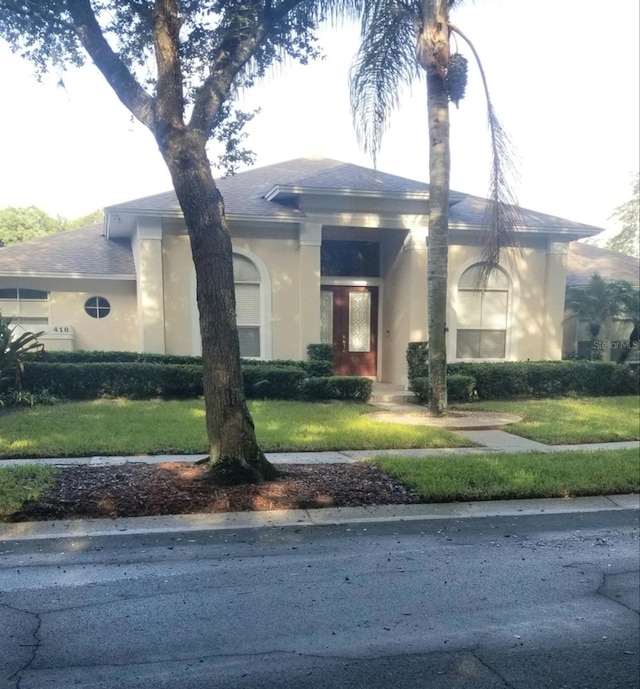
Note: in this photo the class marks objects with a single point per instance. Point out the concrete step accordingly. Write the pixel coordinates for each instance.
(392, 397)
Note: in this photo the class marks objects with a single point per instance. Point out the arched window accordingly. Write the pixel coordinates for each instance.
(482, 315)
(253, 306)
(247, 282)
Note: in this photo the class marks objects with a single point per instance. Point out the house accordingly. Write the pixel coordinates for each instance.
(583, 261)
(324, 251)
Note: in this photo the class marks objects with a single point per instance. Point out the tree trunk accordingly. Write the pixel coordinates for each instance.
(233, 450)
(433, 55)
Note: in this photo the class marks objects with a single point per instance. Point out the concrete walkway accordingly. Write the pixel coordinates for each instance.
(489, 441)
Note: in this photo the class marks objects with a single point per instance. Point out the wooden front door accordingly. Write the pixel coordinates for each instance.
(350, 323)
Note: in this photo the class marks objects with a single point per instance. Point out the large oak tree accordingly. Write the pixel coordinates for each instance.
(175, 65)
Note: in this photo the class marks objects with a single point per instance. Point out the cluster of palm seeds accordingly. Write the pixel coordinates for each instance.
(456, 77)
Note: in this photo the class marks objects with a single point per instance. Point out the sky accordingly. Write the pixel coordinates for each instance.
(563, 75)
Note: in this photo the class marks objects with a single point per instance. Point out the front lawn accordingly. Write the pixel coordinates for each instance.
(569, 421)
(124, 427)
(514, 476)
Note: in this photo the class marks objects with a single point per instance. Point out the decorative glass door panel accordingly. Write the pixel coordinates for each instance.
(359, 321)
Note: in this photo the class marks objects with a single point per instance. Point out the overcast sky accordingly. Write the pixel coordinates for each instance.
(564, 77)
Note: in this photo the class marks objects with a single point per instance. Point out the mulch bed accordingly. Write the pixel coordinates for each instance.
(136, 490)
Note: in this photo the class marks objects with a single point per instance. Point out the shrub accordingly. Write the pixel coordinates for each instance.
(132, 380)
(459, 388)
(316, 368)
(273, 382)
(512, 379)
(320, 352)
(14, 349)
(338, 387)
(418, 360)
(509, 380)
(99, 357)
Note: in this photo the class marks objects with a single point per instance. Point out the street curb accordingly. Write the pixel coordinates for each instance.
(332, 516)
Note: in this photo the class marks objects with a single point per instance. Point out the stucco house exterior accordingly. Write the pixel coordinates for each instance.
(324, 251)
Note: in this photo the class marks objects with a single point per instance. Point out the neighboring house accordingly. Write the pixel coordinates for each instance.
(582, 262)
(324, 251)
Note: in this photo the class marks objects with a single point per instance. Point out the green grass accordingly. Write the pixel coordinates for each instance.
(520, 475)
(117, 427)
(571, 420)
(19, 484)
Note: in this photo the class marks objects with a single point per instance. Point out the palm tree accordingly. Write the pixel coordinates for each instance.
(630, 300)
(600, 301)
(401, 40)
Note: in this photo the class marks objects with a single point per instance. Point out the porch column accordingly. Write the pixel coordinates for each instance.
(310, 240)
(147, 252)
(554, 287)
(404, 313)
(416, 249)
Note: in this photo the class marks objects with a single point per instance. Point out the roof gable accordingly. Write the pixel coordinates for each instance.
(260, 193)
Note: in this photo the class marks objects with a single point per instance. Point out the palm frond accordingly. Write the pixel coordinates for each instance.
(385, 62)
(502, 216)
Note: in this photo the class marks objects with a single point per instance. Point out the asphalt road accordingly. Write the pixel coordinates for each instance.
(534, 602)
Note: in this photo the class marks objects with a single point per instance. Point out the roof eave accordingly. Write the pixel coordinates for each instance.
(64, 276)
(285, 191)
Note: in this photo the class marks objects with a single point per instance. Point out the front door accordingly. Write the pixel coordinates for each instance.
(349, 321)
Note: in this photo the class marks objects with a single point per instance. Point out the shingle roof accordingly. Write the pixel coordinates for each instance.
(86, 252)
(244, 193)
(79, 252)
(471, 210)
(585, 259)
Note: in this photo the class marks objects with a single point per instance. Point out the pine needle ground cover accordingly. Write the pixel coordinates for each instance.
(570, 421)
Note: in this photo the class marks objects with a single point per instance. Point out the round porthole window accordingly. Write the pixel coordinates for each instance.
(97, 307)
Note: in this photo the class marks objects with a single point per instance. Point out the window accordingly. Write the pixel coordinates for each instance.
(26, 307)
(247, 283)
(482, 315)
(350, 258)
(97, 307)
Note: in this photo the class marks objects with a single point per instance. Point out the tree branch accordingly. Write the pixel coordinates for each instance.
(233, 55)
(169, 101)
(130, 93)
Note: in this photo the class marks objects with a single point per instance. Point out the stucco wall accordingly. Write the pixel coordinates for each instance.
(277, 248)
(536, 298)
(118, 331)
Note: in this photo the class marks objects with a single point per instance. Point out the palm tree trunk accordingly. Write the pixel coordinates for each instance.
(433, 55)
(234, 453)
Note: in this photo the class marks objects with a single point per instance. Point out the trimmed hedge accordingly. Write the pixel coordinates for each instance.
(459, 388)
(509, 380)
(132, 380)
(99, 357)
(512, 379)
(338, 388)
(272, 382)
(313, 367)
(320, 352)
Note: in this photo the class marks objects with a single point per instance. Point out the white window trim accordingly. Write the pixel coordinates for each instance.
(18, 316)
(266, 331)
(513, 300)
